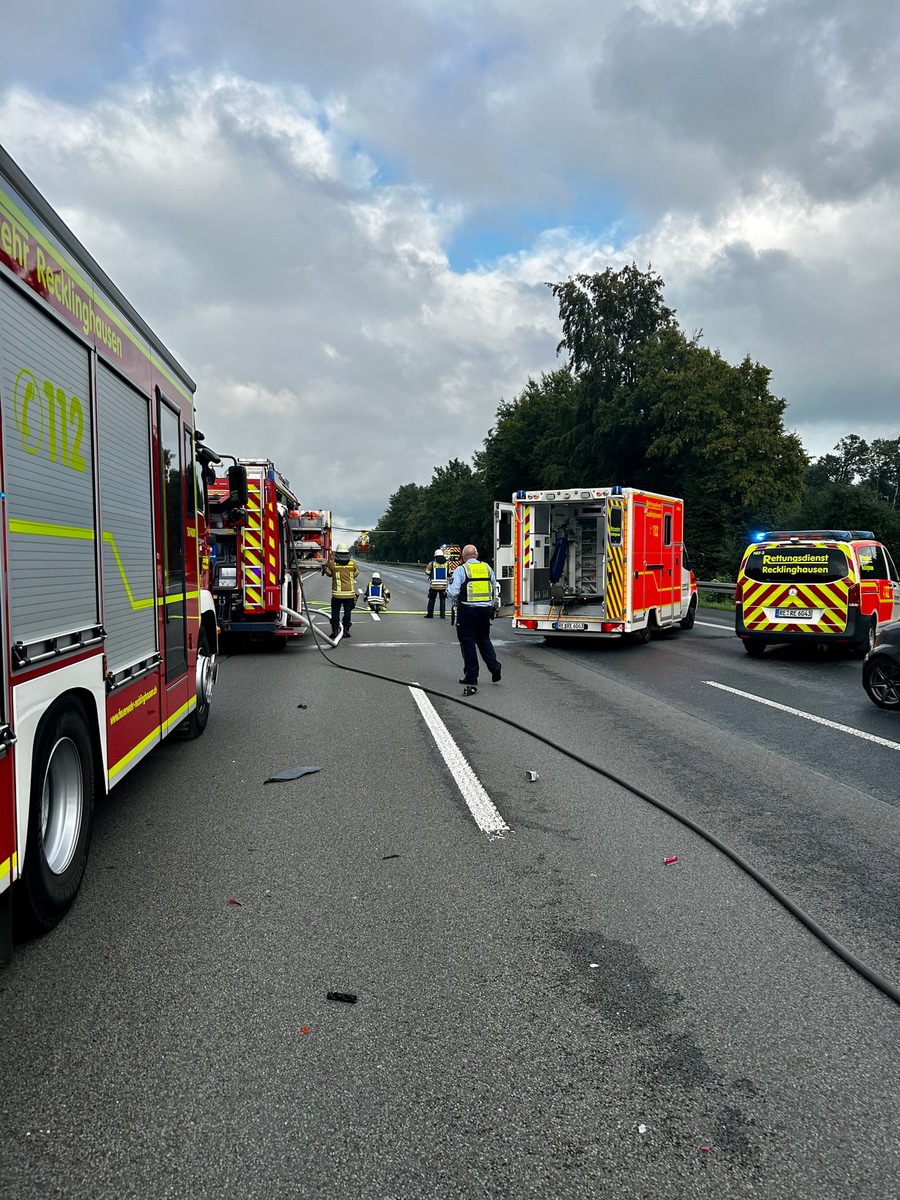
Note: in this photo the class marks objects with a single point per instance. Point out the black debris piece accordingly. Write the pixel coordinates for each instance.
(293, 773)
(385, 857)
(346, 997)
(303, 706)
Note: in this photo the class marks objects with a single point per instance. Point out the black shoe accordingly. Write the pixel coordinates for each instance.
(470, 682)
(346, 633)
(443, 618)
(495, 676)
(429, 616)
(335, 632)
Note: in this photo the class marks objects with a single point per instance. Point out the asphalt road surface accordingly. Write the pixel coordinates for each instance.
(545, 1007)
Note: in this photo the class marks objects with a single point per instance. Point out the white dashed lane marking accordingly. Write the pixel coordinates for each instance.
(480, 804)
(798, 712)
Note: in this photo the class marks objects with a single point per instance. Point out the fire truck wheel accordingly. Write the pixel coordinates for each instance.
(642, 636)
(60, 814)
(199, 718)
(279, 643)
(687, 621)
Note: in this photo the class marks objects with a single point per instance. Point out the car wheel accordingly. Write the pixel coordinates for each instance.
(687, 621)
(754, 648)
(867, 643)
(881, 679)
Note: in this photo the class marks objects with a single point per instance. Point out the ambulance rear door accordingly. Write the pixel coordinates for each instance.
(505, 553)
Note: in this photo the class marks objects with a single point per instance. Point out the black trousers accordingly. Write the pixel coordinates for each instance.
(473, 628)
(337, 602)
(433, 594)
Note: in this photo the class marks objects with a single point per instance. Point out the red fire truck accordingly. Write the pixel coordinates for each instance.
(593, 562)
(107, 641)
(263, 545)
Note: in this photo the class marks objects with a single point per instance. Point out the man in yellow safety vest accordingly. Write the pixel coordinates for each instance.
(472, 590)
(343, 571)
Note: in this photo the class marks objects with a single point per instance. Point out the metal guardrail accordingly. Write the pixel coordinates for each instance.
(726, 588)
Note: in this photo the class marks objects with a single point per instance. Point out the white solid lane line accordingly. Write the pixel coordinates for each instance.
(480, 804)
(713, 625)
(375, 616)
(798, 712)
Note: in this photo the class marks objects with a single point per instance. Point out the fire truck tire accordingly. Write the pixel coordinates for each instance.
(279, 643)
(59, 815)
(199, 718)
(687, 621)
(642, 636)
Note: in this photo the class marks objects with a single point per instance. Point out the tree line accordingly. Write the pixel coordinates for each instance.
(640, 402)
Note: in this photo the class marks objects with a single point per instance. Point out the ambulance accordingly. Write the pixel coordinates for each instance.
(591, 562)
(829, 586)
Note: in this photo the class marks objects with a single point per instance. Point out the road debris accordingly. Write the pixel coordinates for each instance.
(672, 859)
(642, 1128)
(385, 857)
(531, 776)
(469, 691)
(231, 900)
(304, 1029)
(346, 997)
(293, 773)
(303, 706)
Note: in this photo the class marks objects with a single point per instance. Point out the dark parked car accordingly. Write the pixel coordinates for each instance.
(881, 669)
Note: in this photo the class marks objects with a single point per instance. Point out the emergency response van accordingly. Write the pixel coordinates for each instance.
(108, 638)
(593, 562)
(830, 586)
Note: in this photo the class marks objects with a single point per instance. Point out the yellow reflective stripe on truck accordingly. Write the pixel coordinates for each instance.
(75, 533)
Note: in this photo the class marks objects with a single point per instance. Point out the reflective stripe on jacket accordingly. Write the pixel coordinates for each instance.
(437, 573)
(343, 578)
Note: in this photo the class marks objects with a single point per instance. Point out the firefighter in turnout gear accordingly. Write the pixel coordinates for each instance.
(472, 590)
(377, 594)
(438, 573)
(343, 571)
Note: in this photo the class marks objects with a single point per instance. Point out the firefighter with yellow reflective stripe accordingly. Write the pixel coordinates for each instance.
(438, 578)
(472, 590)
(343, 571)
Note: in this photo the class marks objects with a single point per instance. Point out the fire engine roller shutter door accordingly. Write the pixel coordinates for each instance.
(129, 575)
(49, 473)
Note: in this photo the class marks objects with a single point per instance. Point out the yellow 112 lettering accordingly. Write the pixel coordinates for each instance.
(61, 420)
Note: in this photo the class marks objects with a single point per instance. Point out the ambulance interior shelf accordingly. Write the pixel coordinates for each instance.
(576, 564)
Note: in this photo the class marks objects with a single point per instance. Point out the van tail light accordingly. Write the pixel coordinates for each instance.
(738, 593)
(853, 595)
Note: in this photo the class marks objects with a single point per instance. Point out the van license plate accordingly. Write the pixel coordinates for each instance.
(794, 614)
(575, 626)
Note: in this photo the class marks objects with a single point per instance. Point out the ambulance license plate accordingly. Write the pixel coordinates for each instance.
(575, 626)
(794, 614)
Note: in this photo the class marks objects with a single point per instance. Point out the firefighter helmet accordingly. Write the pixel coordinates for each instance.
(376, 578)
(342, 553)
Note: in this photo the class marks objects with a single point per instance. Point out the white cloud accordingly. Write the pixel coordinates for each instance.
(281, 203)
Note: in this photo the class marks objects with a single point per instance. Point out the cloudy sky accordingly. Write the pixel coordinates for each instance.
(341, 216)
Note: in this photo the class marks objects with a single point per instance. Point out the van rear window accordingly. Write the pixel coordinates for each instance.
(789, 564)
